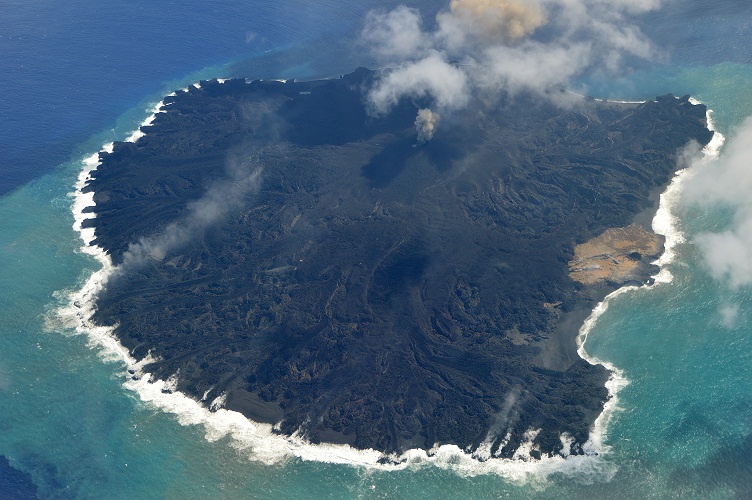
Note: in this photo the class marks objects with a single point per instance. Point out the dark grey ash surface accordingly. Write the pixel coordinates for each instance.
(373, 290)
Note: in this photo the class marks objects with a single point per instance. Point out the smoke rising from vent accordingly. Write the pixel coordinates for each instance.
(426, 123)
(394, 35)
(502, 423)
(431, 76)
(220, 199)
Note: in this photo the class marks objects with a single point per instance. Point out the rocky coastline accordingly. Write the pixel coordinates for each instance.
(321, 269)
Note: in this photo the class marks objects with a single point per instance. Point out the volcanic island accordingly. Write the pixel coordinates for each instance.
(287, 255)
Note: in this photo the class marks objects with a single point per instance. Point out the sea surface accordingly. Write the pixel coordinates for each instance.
(76, 75)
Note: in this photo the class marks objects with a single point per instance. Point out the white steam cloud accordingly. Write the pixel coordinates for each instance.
(728, 183)
(394, 35)
(479, 48)
(431, 76)
(502, 423)
(220, 199)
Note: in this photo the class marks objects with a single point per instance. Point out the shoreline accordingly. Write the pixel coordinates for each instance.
(260, 440)
(663, 223)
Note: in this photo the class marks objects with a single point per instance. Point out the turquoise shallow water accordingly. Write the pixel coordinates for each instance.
(683, 427)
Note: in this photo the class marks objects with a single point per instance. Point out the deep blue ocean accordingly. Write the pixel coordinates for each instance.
(76, 75)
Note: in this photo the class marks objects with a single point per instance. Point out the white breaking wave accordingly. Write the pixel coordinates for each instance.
(616, 381)
(258, 441)
(599, 99)
(665, 222)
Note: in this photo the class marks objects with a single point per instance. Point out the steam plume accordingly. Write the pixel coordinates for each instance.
(426, 123)
(219, 200)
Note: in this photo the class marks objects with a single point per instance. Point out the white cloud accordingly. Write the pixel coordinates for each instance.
(728, 254)
(395, 35)
(729, 315)
(493, 47)
(728, 182)
(431, 76)
(529, 66)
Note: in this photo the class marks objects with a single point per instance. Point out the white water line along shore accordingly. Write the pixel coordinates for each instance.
(665, 224)
(258, 442)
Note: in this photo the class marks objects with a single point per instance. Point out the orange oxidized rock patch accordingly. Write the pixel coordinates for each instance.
(616, 255)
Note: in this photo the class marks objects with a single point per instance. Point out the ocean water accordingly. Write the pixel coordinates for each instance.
(80, 74)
